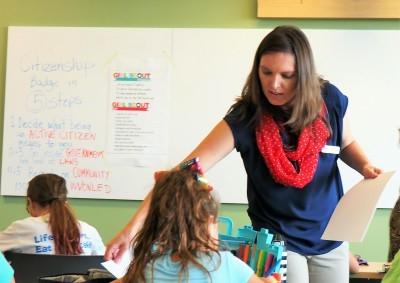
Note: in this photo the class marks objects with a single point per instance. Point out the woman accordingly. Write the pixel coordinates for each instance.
(52, 227)
(289, 126)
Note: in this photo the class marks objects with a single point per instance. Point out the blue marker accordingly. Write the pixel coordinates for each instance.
(273, 268)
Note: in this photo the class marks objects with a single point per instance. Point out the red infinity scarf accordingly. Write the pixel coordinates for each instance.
(278, 159)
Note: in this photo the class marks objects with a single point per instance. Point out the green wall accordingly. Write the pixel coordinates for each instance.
(110, 215)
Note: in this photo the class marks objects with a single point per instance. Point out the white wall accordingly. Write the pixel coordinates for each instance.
(208, 68)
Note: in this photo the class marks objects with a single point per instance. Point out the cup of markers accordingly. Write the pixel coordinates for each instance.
(264, 252)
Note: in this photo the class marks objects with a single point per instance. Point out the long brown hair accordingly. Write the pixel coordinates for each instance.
(51, 190)
(177, 223)
(306, 104)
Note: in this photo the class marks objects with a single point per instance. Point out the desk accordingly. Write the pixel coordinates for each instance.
(370, 273)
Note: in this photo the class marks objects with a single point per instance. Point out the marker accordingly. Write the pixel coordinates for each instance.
(246, 253)
(262, 256)
(268, 264)
(241, 251)
(275, 267)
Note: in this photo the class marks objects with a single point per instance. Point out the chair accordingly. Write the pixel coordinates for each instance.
(29, 267)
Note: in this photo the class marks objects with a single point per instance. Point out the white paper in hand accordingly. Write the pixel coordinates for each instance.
(353, 214)
(118, 269)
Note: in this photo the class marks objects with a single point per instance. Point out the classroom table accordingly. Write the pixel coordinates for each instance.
(371, 273)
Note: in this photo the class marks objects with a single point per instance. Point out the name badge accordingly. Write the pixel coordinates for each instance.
(333, 149)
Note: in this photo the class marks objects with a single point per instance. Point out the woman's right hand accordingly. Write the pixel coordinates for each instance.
(213, 148)
(118, 245)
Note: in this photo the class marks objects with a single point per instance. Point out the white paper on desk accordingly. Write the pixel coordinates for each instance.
(353, 214)
(118, 269)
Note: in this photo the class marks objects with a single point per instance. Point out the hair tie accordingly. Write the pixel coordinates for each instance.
(193, 165)
(50, 200)
(53, 199)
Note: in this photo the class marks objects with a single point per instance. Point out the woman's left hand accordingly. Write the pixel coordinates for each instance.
(370, 171)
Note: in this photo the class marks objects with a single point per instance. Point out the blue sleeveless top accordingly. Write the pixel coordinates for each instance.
(299, 215)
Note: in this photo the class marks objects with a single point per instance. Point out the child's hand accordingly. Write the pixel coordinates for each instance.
(270, 279)
(275, 278)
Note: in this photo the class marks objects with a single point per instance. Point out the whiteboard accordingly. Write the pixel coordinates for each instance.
(204, 70)
(60, 91)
